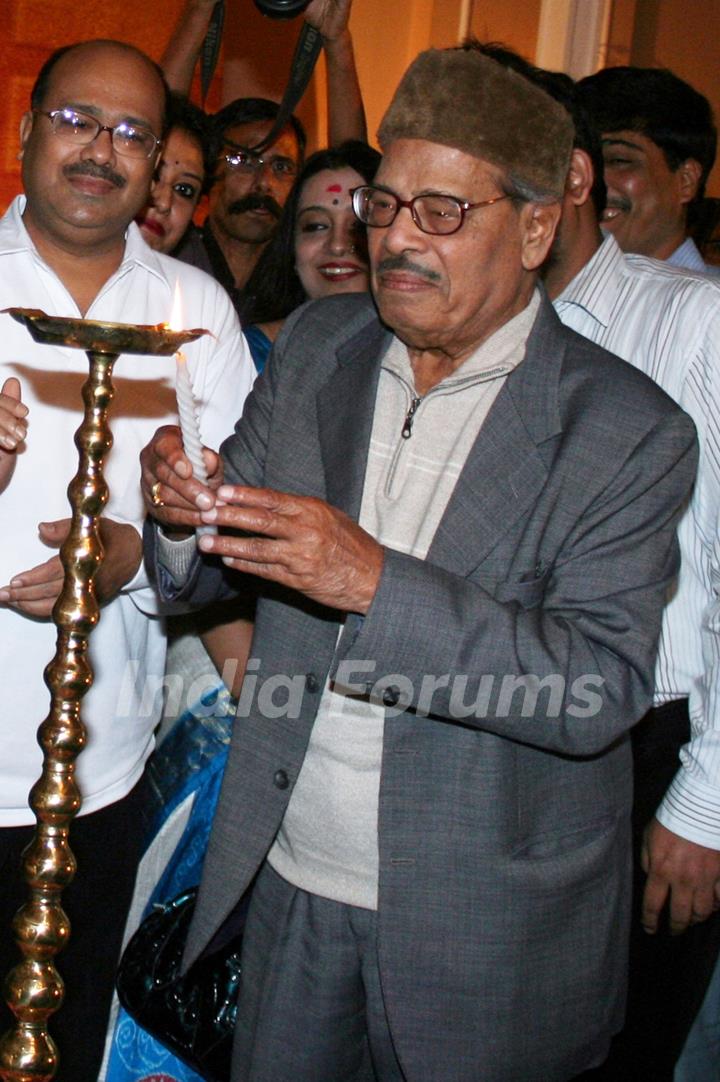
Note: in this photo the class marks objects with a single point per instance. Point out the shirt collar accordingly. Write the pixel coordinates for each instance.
(596, 286)
(687, 255)
(14, 237)
(139, 253)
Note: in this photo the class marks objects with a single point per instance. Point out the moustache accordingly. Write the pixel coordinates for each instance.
(255, 202)
(94, 169)
(618, 203)
(402, 263)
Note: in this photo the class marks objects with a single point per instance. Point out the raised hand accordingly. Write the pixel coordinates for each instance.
(330, 17)
(13, 427)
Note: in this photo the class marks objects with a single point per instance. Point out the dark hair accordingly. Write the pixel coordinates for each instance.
(246, 110)
(657, 104)
(274, 290)
(40, 86)
(562, 88)
(185, 116)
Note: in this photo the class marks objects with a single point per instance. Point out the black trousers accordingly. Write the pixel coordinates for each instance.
(668, 975)
(107, 845)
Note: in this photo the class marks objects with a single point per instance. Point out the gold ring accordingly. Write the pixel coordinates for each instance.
(155, 495)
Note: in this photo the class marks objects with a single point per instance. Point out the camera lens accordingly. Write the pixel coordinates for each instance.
(281, 9)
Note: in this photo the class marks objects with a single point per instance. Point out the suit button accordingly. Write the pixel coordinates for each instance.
(391, 696)
(280, 779)
(311, 682)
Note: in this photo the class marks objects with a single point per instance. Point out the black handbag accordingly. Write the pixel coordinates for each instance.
(193, 1014)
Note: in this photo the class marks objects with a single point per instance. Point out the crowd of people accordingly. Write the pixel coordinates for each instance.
(436, 702)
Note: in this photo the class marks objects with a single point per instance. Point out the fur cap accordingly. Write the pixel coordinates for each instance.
(463, 99)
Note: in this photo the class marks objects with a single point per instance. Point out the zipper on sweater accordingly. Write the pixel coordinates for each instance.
(408, 423)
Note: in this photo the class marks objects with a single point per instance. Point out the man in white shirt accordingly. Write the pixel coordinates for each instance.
(668, 325)
(89, 146)
(659, 142)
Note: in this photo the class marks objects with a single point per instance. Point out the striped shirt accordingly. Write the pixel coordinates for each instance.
(667, 323)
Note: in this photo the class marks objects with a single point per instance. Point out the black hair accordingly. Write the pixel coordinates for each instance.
(40, 86)
(274, 290)
(246, 110)
(564, 90)
(657, 104)
(185, 116)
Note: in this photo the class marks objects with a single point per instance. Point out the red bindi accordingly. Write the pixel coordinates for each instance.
(335, 188)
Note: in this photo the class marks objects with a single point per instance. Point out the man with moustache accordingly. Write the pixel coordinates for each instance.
(69, 246)
(439, 496)
(248, 192)
(659, 141)
(668, 325)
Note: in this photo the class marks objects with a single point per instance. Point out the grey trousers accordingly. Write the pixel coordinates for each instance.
(311, 1005)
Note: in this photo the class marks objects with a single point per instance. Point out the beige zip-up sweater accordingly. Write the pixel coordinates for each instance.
(327, 843)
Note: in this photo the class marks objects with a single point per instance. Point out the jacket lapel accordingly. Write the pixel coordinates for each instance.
(506, 468)
(345, 406)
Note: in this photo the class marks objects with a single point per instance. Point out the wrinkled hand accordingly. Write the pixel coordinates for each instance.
(164, 461)
(35, 591)
(299, 542)
(330, 17)
(681, 872)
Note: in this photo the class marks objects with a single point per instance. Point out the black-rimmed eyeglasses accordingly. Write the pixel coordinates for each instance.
(433, 213)
(129, 140)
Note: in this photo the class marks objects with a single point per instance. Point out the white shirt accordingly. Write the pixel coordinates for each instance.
(127, 648)
(667, 323)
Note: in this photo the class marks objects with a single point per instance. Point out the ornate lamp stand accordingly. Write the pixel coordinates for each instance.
(34, 989)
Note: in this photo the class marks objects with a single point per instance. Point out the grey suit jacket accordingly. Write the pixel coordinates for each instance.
(503, 832)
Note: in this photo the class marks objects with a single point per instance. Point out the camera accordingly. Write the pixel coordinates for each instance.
(281, 9)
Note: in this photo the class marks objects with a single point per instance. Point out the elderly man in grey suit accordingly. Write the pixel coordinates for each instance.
(462, 518)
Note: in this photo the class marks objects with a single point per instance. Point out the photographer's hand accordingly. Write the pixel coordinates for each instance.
(330, 17)
(346, 113)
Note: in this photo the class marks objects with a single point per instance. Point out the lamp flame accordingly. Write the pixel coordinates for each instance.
(176, 316)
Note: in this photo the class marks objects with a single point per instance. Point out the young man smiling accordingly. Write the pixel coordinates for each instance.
(659, 144)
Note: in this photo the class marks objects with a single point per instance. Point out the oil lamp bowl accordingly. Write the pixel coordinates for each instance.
(102, 337)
